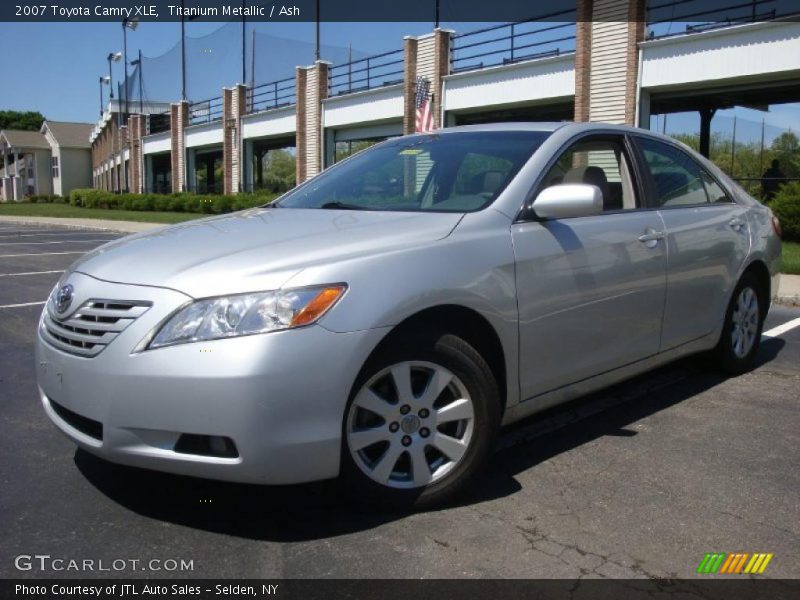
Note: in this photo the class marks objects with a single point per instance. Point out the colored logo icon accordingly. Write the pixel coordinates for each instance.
(738, 563)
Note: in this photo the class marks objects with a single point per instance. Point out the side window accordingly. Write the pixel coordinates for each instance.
(599, 162)
(714, 191)
(678, 179)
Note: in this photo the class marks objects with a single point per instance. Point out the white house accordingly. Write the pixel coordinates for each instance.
(53, 160)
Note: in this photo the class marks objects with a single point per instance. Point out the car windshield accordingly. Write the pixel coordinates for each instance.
(452, 172)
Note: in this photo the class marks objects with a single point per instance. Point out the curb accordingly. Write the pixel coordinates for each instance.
(68, 223)
(788, 300)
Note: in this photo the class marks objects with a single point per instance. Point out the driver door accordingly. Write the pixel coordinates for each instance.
(590, 288)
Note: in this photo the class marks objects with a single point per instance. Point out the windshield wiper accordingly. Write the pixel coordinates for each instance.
(344, 206)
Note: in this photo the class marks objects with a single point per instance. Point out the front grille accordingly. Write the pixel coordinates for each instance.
(93, 326)
(83, 424)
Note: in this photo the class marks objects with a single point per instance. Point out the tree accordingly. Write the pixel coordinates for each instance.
(14, 119)
(279, 170)
(786, 142)
(786, 149)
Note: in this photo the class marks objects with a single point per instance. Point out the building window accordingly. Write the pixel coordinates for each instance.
(54, 166)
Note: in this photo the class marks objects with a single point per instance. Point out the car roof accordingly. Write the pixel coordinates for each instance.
(568, 128)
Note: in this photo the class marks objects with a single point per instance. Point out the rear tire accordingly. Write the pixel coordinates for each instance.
(741, 333)
(420, 423)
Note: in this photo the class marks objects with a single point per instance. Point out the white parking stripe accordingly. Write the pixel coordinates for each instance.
(42, 243)
(21, 305)
(29, 273)
(51, 233)
(776, 331)
(41, 254)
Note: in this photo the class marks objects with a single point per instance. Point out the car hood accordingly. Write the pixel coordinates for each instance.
(256, 249)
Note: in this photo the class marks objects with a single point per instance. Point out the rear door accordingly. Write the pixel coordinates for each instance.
(590, 289)
(707, 240)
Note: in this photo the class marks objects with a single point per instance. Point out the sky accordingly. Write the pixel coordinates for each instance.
(59, 65)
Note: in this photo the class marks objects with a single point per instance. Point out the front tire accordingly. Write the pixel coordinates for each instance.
(420, 423)
(741, 333)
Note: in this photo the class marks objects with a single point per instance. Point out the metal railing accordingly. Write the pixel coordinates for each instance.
(669, 18)
(158, 122)
(367, 73)
(755, 185)
(538, 37)
(271, 95)
(205, 111)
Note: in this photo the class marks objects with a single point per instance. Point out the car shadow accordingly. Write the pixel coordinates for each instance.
(315, 511)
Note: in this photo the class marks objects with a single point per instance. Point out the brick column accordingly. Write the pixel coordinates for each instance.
(409, 84)
(300, 128)
(607, 59)
(441, 68)
(179, 118)
(234, 106)
(136, 131)
(583, 49)
(312, 89)
(123, 143)
(427, 56)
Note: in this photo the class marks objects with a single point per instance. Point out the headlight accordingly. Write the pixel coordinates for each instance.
(246, 314)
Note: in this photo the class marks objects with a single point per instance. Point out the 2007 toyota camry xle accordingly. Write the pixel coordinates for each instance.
(381, 321)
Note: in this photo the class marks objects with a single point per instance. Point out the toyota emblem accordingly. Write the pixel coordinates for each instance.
(64, 298)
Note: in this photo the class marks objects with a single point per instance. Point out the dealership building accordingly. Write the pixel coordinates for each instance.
(617, 61)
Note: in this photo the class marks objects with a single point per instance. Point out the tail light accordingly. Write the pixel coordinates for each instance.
(776, 226)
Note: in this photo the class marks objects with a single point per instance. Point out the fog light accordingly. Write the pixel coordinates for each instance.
(206, 445)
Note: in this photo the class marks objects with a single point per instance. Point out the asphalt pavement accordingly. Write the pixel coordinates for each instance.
(640, 480)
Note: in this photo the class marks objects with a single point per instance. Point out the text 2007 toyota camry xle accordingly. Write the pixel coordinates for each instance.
(381, 321)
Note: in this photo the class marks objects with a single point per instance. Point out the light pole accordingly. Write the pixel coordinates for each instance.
(316, 52)
(244, 29)
(183, 54)
(112, 57)
(137, 62)
(131, 24)
(103, 79)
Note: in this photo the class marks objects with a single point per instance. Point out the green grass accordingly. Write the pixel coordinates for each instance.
(75, 212)
(790, 262)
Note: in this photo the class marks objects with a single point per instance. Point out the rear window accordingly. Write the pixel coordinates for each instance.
(454, 172)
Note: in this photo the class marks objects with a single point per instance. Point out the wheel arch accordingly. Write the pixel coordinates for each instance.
(759, 269)
(466, 323)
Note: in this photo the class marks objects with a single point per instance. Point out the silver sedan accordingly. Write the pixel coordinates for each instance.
(380, 322)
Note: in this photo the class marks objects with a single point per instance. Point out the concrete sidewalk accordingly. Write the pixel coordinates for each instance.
(788, 292)
(789, 289)
(104, 224)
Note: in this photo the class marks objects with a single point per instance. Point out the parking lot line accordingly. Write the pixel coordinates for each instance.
(4, 234)
(41, 254)
(23, 304)
(30, 273)
(59, 242)
(776, 331)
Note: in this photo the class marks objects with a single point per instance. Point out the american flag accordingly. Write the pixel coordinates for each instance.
(424, 106)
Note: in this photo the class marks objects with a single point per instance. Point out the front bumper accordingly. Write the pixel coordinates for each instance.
(279, 396)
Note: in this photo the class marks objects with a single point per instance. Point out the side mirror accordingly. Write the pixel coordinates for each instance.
(568, 200)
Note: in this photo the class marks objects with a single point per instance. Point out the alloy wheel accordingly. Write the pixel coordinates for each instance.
(410, 424)
(744, 322)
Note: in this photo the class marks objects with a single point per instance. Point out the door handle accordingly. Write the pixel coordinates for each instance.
(736, 224)
(651, 235)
